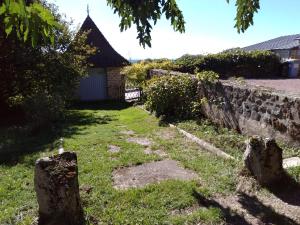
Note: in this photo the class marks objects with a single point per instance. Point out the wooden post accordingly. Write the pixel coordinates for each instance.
(57, 190)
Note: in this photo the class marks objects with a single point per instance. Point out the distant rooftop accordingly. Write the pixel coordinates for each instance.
(283, 42)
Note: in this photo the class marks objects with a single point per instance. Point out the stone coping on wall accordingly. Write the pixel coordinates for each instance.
(238, 83)
(249, 109)
(268, 90)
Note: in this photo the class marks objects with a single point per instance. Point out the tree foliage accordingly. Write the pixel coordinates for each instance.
(142, 13)
(29, 20)
(36, 21)
(137, 73)
(41, 80)
(232, 63)
(245, 13)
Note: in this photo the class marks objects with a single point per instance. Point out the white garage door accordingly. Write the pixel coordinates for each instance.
(94, 87)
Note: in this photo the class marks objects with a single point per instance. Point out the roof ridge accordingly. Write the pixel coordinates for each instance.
(107, 56)
(282, 42)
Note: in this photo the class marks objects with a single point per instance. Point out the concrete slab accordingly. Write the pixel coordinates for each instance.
(141, 141)
(291, 162)
(127, 132)
(113, 149)
(148, 173)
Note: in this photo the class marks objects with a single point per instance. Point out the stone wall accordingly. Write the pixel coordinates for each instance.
(251, 110)
(115, 83)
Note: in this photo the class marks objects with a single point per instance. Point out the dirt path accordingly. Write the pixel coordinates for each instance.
(258, 209)
(251, 205)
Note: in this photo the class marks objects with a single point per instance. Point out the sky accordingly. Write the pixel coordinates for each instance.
(209, 26)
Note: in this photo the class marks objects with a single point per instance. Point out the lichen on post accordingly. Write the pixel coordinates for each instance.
(263, 158)
(57, 190)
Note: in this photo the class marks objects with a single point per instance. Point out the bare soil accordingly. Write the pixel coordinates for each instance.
(148, 151)
(161, 153)
(251, 205)
(167, 134)
(148, 173)
(258, 209)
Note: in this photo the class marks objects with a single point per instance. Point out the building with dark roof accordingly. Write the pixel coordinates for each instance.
(104, 80)
(286, 47)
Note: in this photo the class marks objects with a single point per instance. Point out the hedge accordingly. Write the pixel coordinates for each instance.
(235, 63)
(137, 73)
(172, 96)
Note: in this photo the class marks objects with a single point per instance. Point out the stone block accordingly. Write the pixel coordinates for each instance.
(263, 158)
(57, 190)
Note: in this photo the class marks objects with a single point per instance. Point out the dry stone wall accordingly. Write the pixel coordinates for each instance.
(250, 110)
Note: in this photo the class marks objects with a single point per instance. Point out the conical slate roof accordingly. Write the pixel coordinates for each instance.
(105, 56)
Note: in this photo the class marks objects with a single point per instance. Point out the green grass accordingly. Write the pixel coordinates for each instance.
(228, 140)
(88, 131)
(294, 172)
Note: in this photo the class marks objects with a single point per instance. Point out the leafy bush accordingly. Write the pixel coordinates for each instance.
(137, 73)
(42, 107)
(207, 76)
(231, 63)
(172, 96)
(189, 63)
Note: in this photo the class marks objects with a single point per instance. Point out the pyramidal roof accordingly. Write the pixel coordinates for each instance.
(105, 56)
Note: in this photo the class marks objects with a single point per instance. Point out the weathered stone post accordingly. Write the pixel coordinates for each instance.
(56, 186)
(263, 158)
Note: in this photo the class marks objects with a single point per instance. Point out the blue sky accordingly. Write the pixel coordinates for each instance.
(209, 26)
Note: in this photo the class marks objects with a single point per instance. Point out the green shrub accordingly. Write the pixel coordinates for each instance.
(172, 96)
(189, 63)
(207, 76)
(137, 73)
(230, 63)
(42, 108)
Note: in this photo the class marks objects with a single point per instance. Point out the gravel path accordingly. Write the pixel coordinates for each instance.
(288, 85)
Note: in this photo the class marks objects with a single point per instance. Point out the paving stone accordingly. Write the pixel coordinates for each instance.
(291, 162)
(127, 132)
(114, 149)
(140, 141)
(148, 173)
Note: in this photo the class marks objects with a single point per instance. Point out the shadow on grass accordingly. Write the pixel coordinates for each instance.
(287, 190)
(101, 105)
(229, 215)
(265, 213)
(252, 205)
(17, 142)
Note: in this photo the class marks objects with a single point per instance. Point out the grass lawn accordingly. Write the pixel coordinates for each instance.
(232, 142)
(88, 131)
(228, 140)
